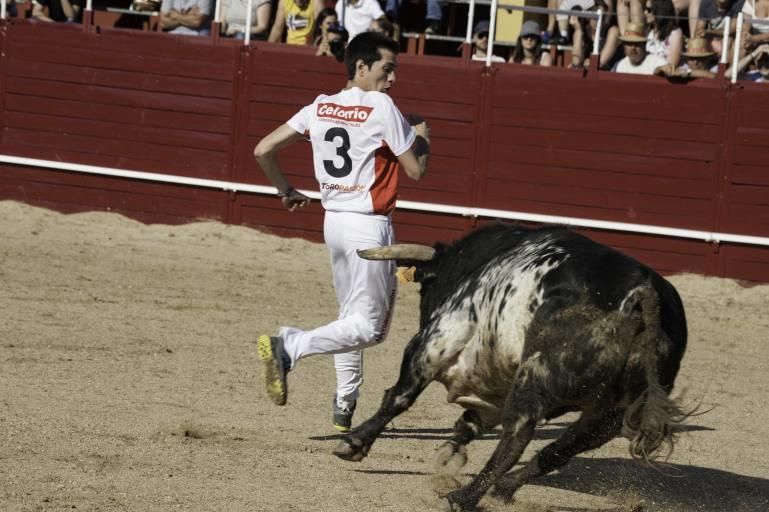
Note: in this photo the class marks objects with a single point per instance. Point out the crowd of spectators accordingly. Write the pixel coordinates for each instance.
(672, 38)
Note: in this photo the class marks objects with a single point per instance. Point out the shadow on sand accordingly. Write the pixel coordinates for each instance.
(663, 487)
(668, 488)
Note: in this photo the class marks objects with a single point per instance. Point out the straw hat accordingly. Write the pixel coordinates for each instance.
(698, 47)
(634, 33)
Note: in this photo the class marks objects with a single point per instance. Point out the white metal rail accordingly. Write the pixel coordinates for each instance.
(465, 211)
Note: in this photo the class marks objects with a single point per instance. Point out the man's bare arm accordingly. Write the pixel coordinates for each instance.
(276, 34)
(414, 160)
(266, 156)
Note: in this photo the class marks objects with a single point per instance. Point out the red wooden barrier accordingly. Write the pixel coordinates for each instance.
(551, 141)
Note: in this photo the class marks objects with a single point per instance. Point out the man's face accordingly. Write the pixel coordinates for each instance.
(381, 76)
(635, 52)
(481, 40)
(696, 62)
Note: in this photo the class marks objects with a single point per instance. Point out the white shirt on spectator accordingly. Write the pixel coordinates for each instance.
(656, 47)
(494, 58)
(358, 16)
(204, 6)
(647, 67)
(236, 14)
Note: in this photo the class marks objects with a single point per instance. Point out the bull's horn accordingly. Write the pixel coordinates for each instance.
(399, 252)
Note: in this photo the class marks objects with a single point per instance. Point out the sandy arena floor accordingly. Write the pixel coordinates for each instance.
(129, 381)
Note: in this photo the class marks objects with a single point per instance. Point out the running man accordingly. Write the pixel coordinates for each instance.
(358, 139)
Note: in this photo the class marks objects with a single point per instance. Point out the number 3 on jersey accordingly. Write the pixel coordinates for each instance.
(341, 140)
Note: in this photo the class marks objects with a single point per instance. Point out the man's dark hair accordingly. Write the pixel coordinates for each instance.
(365, 46)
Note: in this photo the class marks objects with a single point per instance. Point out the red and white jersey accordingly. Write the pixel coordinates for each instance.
(356, 137)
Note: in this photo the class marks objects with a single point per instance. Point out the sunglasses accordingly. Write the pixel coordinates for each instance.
(530, 36)
(482, 35)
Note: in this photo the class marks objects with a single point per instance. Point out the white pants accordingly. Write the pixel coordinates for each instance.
(365, 291)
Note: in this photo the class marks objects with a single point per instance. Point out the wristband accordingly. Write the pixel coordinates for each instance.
(286, 193)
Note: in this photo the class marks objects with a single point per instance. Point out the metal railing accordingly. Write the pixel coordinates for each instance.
(465, 211)
(495, 5)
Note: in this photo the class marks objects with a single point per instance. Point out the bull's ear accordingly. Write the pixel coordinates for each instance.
(412, 252)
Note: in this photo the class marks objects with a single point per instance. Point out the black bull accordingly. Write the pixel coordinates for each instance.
(522, 325)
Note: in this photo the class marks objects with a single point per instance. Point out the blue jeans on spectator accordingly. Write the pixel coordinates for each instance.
(434, 9)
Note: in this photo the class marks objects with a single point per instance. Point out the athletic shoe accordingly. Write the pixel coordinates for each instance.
(276, 364)
(342, 414)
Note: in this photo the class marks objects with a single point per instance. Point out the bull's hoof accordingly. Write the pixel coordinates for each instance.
(449, 459)
(506, 486)
(351, 448)
(446, 504)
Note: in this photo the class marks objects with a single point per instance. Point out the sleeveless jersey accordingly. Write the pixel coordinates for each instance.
(356, 137)
(299, 22)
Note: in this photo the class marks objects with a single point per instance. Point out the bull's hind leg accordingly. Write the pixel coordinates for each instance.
(524, 407)
(591, 431)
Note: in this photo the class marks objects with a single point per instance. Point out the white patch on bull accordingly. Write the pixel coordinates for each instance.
(480, 358)
(631, 299)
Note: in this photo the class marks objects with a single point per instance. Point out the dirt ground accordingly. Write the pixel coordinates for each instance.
(129, 381)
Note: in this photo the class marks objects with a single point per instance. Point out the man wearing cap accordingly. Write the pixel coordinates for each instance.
(636, 60)
(699, 61)
(481, 43)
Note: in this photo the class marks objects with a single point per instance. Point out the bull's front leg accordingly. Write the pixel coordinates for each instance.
(426, 355)
(451, 456)
(414, 377)
(524, 407)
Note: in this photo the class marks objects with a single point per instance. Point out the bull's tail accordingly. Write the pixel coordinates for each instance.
(653, 419)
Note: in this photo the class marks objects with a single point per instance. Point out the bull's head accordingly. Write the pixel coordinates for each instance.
(418, 259)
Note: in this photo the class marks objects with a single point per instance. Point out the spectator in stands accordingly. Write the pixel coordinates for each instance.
(636, 60)
(296, 18)
(186, 17)
(562, 20)
(481, 43)
(326, 17)
(383, 26)
(528, 46)
(664, 38)
(757, 63)
(334, 42)
(583, 39)
(755, 33)
(633, 10)
(63, 11)
(711, 20)
(759, 56)
(234, 18)
(712, 15)
(700, 62)
(433, 17)
(10, 9)
(356, 15)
